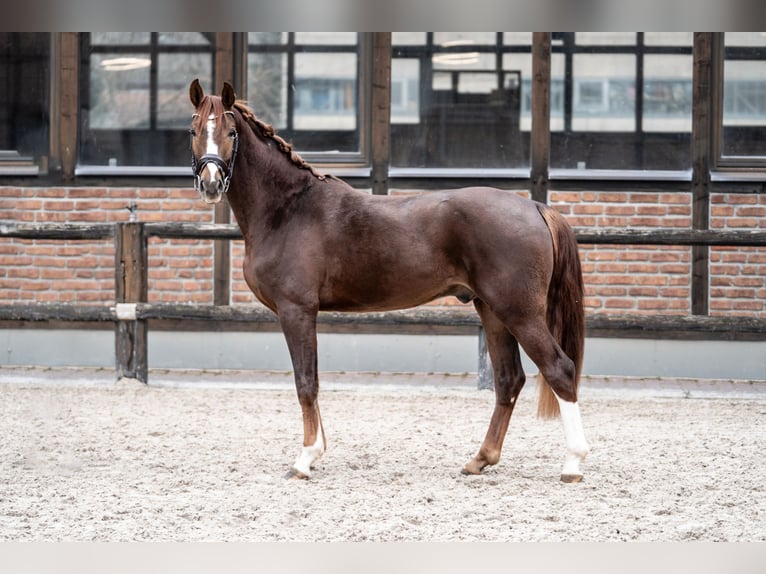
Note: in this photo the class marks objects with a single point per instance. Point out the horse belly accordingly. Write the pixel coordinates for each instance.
(386, 288)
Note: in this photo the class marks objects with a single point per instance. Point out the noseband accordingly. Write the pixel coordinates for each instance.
(216, 160)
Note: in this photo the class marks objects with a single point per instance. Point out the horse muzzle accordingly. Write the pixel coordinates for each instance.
(211, 179)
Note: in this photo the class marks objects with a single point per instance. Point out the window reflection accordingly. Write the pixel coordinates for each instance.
(134, 98)
(456, 100)
(619, 103)
(306, 84)
(744, 94)
(24, 73)
(667, 93)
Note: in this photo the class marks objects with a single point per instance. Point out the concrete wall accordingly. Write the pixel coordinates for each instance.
(395, 353)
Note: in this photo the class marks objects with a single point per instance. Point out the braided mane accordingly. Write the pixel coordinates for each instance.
(268, 131)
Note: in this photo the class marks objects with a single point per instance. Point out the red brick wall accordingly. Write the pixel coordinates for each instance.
(632, 279)
(83, 271)
(619, 279)
(738, 274)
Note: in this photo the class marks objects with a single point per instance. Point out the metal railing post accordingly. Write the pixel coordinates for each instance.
(485, 373)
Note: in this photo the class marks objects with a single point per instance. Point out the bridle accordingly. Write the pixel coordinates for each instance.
(215, 159)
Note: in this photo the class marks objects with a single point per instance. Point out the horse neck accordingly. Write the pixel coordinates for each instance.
(264, 182)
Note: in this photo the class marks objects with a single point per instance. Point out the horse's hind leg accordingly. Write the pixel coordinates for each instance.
(558, 371)
(509, 379)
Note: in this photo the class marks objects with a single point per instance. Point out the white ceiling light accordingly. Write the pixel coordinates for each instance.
(457, 58)
(125, 64)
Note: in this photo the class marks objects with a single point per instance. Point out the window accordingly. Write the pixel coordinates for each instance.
(621, 101)
(309, 86)
(744, 99)
(134, 106)
(667, 93)
(456, 100)
(24, 103)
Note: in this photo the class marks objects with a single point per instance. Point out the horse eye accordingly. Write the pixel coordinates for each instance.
(232, 133)
(193, 132)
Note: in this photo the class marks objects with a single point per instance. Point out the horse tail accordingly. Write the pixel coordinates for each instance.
(565, 312)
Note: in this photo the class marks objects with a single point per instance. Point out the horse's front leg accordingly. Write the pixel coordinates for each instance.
(299, 328)
(509, 380)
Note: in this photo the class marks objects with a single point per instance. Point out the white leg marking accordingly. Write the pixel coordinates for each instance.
(309, 454)
(577, 446)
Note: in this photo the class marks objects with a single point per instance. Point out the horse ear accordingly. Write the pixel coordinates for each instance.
(196, 93)
(228, 96)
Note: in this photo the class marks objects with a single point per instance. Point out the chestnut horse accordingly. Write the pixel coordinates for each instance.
(314, 243)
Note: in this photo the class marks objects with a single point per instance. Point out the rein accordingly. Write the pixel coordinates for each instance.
(216, 160)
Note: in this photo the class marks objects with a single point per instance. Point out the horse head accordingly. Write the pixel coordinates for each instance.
(213, 141)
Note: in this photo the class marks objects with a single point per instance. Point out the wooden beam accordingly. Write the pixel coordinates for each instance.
(418, 320)
(224, 72)
(702, 90)
(89, 231)
(131, 286)
(193, 230)
(75, 231)
(69, 102)
(540, 145)
(694, 237)
(381, 112)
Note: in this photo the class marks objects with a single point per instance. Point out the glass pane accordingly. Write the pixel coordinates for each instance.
(325, 38)
(405, 91)
(604, 97)
(447, 39)
(408, 38)
(309, 96)
(517, 38)
(136, 111)
(593, 111)
(174, 71)
(746, 39)
(744, 95)
(667, 93)
(119, 91)
(744, 108)
(183, 38)
(467, 82)
(463, 60)
(455, 109)
(668, 38)
(125, 38)
(325, 92)
(267, 87)
(24, 102)
(521, 66)
(558, 73)
(255, 38)
(605, 38)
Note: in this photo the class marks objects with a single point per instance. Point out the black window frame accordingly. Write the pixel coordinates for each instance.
(17, 160)
(424, 53)
(153, 138)
(720, 161)
(636, 139)
(354, 163)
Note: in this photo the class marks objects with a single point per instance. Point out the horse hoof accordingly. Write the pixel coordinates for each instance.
(293, 474)
(471, 469)
(571, 478)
